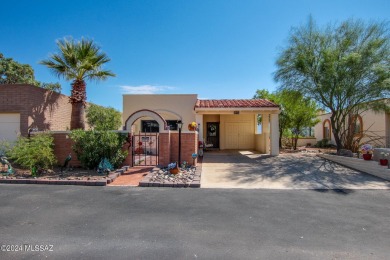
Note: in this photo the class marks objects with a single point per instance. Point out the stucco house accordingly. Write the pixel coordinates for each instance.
(372, 127)
(222, 124)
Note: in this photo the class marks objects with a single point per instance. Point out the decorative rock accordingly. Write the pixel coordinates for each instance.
(345, 152)
(161, 177)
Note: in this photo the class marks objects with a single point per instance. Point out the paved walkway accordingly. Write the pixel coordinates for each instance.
(250, 170)
(132, 177)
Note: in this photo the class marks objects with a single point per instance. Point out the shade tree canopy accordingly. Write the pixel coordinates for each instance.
(13, 72)
(343, 67)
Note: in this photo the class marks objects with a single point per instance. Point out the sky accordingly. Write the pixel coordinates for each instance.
(218, 49)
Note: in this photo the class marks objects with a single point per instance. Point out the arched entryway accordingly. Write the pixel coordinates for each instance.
(146, 113)
(145, 143)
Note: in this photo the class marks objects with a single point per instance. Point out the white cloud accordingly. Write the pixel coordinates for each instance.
(145, 89)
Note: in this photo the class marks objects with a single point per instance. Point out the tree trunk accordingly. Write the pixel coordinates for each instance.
(77, 99)
(335, 131)
(77, 118)
(295, 142)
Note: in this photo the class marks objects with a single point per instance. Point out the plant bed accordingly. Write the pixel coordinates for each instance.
(72, 176)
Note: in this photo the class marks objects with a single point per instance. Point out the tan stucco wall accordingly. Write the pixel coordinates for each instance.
(374, 124)
(259, 143)
(170, 107)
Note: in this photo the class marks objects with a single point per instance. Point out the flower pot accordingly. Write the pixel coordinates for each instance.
(383, 162)
(367, 156)
(174, 170)
(191, 128)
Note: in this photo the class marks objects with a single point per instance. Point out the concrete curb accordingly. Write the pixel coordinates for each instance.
(370, 167)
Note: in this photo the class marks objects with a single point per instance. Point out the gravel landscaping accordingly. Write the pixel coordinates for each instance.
(161, 177)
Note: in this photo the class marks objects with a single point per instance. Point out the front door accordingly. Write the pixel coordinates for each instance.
(213, 134)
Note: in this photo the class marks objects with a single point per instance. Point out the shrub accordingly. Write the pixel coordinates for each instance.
(34, 152)
(324, 143)
(103, 118)
(92, 146)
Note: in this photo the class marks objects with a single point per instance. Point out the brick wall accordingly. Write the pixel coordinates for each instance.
(164, 147)
(189, 145)
(168, 148)
(62, 148)
(38, 107)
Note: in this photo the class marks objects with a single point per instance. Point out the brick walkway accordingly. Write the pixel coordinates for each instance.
(131, 177)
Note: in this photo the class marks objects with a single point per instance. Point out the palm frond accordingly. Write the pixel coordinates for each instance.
(78, 60)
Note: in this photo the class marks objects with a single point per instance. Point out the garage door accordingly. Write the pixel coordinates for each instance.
(239, 136)
(9, 126)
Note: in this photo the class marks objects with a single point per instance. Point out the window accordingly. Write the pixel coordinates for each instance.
(357, 125)
(151, 126)
(172, 124)
(326, 129)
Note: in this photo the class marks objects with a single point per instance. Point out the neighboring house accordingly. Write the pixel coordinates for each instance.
(370, 126)
(222, 124)
(24, 107)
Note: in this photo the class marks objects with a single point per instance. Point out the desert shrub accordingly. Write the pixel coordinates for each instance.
(91, 146)
(5, 146)
(34, 152)
(103, 118)
(324, 143)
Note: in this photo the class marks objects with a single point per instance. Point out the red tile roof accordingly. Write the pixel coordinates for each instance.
(234, 103)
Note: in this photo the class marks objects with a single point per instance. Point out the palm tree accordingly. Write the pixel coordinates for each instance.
(78, 61)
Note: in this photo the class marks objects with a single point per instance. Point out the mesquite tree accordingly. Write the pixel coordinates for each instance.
(297, 112)
(342, 67)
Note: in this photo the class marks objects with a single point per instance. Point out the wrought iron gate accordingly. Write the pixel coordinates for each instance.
(145, 149)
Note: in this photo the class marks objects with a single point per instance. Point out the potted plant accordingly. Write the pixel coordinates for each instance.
(366, 151)
(192, 126)
(383, 161)
(173, 168)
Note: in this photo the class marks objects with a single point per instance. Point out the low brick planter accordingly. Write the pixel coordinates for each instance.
(110, 178)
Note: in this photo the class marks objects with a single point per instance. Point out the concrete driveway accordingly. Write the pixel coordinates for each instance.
(251, 170)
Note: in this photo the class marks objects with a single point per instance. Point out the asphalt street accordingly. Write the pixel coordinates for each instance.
(73, 222)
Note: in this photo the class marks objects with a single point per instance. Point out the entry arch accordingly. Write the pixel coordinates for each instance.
(162, 124)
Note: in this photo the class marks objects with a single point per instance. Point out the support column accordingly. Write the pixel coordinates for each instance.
(265, 129)
(274, 134)
(199, 121)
